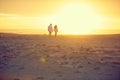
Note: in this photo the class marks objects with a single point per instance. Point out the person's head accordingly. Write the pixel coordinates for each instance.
(55, 26)
(50, 24)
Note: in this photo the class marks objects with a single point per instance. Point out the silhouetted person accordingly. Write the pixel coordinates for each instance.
(50, 29)
(55, 30)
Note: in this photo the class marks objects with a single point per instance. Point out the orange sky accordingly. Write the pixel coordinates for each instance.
(71, 16)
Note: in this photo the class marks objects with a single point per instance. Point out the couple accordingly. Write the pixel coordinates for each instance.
(50, 29)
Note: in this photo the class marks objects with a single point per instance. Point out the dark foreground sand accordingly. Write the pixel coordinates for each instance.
(40, 57)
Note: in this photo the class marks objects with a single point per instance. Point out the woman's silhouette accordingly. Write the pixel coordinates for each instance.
(55, 30)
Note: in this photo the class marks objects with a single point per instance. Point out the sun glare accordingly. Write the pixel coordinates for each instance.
(77, 18)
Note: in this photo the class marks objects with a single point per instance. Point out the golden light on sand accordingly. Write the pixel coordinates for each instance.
(76, 18)
(42, 59)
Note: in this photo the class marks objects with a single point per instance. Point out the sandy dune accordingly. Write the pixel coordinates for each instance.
(40, 57)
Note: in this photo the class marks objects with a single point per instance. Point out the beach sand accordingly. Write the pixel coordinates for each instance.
(41, 57)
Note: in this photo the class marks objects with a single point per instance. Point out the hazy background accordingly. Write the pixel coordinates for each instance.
(71, 16)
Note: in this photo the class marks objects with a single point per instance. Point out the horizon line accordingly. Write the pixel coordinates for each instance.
(58, 34)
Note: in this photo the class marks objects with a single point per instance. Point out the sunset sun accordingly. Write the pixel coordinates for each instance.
(77, 19)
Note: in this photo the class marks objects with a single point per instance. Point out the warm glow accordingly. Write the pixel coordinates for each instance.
(71, 16)
(77, 18)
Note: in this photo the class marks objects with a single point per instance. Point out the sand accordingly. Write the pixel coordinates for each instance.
(41, 57)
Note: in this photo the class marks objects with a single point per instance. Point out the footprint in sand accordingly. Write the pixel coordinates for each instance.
(97, 68)
(40, 78)
(16, 79)
(80, 67)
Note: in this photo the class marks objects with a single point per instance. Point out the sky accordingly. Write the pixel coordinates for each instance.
(71, 16)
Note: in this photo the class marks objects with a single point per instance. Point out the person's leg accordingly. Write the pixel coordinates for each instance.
(49, 33)
(55, 34)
